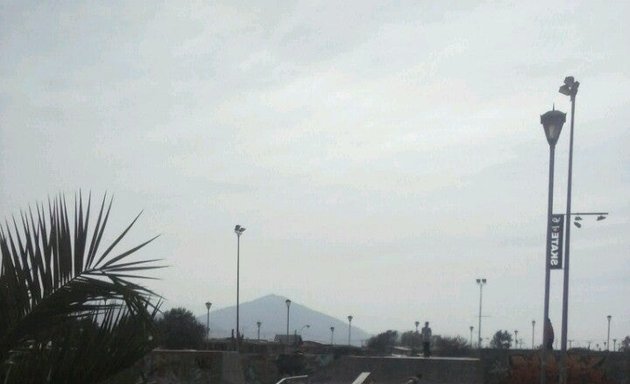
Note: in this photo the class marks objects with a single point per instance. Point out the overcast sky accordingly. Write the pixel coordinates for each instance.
(381, 155)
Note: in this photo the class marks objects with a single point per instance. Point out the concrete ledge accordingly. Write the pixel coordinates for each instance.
(395, 370)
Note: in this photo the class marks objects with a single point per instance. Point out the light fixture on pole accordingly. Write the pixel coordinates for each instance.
(471, 332)
(614, 345)
(239, 231)
(302, 329)
(332, 335)
(552, 123)
(417, 323)
(208, 305)
(349, 329)
(258, 324)
(608, 340)
(481, 283)
(515, 339)
(288, 303)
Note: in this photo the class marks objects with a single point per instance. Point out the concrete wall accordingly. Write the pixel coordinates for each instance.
(391, 370)
(493, 367)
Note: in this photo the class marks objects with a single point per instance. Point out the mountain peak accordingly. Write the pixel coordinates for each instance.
(270, 310)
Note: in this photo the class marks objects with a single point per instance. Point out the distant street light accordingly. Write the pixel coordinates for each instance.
(239, 231)
(349, 329)
(258, 324)
(533, 326)
(608, 341)
(614, 345)
(515, 339)
(208, 305)
(471, 331)
(332, 335)
(417, 323)
(288, 303)
(481, 283)
(304, 326)
(552, 122)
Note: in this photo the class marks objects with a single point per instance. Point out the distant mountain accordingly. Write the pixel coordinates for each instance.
(271, 311)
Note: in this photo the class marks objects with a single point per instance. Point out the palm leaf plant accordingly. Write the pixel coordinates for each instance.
(69, 311)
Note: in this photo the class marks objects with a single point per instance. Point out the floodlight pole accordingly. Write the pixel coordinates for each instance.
(608, 342)
(349, 329)
(239, 231)
(533, 326)
(481, 283)
(288, 303)
(208, 305)
(570, 88)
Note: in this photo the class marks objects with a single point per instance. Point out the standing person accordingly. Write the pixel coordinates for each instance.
(426, 339)
(549, 331)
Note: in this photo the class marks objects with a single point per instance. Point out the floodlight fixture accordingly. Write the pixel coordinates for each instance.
(239, 230)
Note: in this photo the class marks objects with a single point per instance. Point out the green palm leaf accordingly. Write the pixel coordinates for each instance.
(69, 313)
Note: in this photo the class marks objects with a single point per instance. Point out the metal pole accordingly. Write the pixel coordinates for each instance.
(258, 323)
(238, 255)
(608, 342)
(567, 249)
(543, 364)
(332, 334)
(349, 329)
(533, 325)
(480, 302)
(471, 332)
(515, 339)
(208, 324)
(288, 305)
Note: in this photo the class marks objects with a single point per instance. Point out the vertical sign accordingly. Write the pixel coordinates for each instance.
(554, 245)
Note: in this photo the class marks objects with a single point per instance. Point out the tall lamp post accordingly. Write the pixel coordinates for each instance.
(288, 303)
(481, 283)
(614, 345)
(417, 323)
(533, 326)
(569, 88)
(258, 324)
(515, 339)
(349, 328)
(608, 341)
(552, 122)
(471, 331)
(208, 305)
(332, 335)
(239, 231)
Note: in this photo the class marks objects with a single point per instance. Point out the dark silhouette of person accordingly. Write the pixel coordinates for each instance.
(426, 340)
(549, 335)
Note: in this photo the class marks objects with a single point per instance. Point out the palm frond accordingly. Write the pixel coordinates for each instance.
(52, 277)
